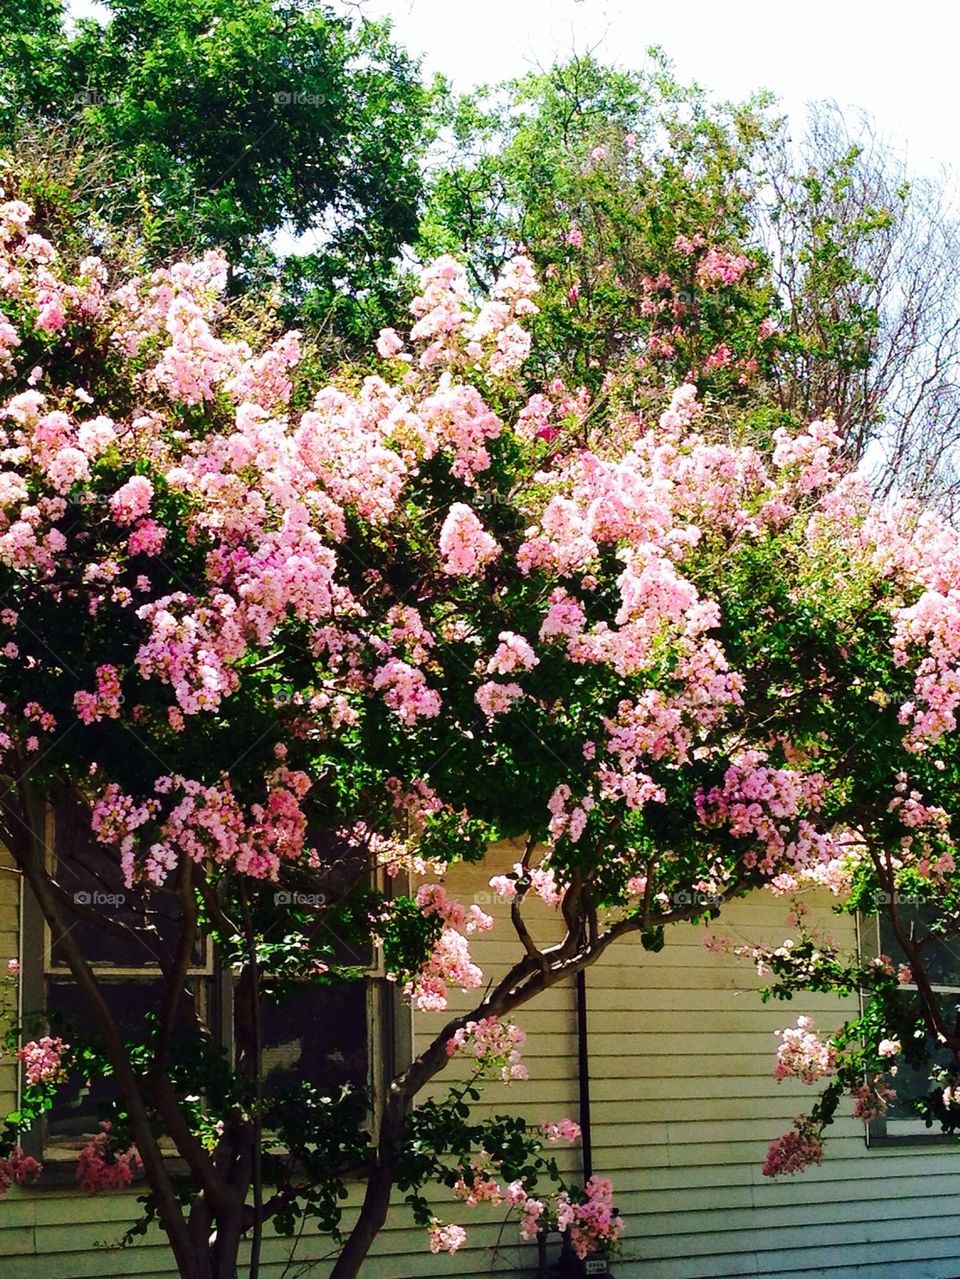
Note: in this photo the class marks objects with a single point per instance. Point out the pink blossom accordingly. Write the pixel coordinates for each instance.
(105, 703)
(100, 1168)
(795, 1151)
(132, 500)
(873, 1099)
(803, 1054)
(494, 1044)
(513, 653)
(497, 699)
(563, 1130)
(446, 1238)
(147, 538)
(388, 343)
(464, 543)
(18, 1168)
(449, 965)
(720, 267)
(41, 1060)
(405, 691)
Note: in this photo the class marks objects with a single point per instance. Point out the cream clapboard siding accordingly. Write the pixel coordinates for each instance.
(684, 1104)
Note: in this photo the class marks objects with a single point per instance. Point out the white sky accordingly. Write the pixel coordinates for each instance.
(900, 62)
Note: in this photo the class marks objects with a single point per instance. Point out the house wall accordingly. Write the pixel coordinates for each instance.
(684, 1104)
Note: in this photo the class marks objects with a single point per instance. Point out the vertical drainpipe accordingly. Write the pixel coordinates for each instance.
(583, 1072)
(567, 1263)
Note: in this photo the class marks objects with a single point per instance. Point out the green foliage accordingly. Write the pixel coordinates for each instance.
(227, 122)
(596, 172)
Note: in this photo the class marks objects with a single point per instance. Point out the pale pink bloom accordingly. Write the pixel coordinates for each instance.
(494, 1044)
(513, 653)
(389, 343)
(464, 543)
(497, 699)
(803, 1054)
(132, 500)
(563, 1130)
(41, 1059)
(446, 1238)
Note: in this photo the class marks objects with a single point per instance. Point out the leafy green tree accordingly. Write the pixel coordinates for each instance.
(619, 185)
(228, 122)
(265, 638)
(623, 186)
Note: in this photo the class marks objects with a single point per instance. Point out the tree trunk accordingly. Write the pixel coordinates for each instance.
(376, 1199)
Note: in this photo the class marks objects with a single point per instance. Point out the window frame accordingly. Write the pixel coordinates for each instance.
(876, 1134)
(389, 1019)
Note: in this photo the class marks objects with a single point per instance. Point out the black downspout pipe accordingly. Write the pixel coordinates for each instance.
(567, 1263)
(583, 1072)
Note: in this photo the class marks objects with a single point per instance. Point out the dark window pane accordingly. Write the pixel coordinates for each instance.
(91, 874)
(941, 956)
(319, 1033)
(77, 1108)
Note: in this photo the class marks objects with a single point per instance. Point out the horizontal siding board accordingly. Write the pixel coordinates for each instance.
(684, 1104)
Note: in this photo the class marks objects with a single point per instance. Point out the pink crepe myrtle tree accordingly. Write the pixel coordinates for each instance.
(267, 638)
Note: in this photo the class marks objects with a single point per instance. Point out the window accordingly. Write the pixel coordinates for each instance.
(346, 1033)
(901, 1124)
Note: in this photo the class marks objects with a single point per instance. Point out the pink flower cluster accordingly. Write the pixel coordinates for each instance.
(100, 1167)
(540, 880)
(405, 691)
(433, 899)
(132, 500)
(563, 1130)
(480, 1188)
(465, 544)
(18, 1169)
(493, 1044)
(41, 1059)
(873, 1099)
(593, 1223)
(511, 301)
(450, 963)
(513, 653)
(497, 699)
(445, 1238)
(795, 1151)
(688, 244)
(717, 266)
(762, 804)
(803, 1054)
(207, 824)
(930, 627)
(105, 702)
